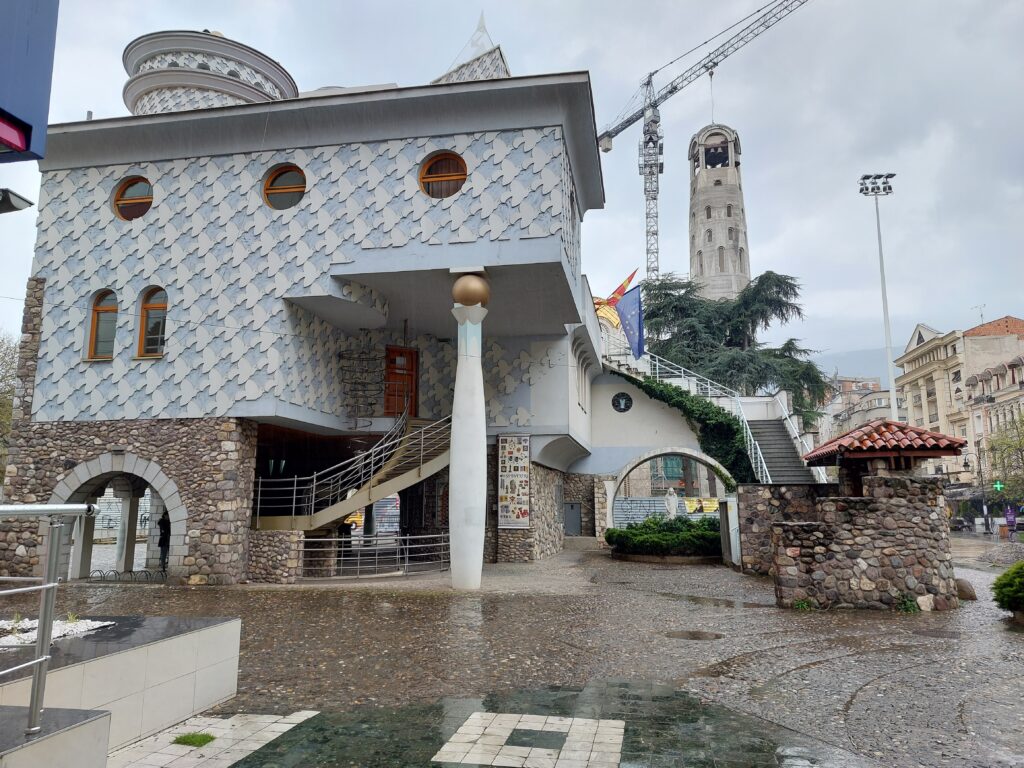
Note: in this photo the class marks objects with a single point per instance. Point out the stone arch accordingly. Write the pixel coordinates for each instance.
(703, 458)
(89, 478)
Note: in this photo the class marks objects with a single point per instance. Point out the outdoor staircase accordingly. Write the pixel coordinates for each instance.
(412, 451)
(785, 465)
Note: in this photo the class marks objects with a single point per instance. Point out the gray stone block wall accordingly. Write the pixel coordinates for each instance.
(274, 556)
(580, 490)
(760, 506)
(871, 551)
(547, 510)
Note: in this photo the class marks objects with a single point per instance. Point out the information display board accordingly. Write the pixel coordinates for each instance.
(513, 481)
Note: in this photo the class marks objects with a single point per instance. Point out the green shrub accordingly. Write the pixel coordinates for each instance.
(1008, 589)
(803, 604)
(907, 604)
(194, 739)
(658, 536)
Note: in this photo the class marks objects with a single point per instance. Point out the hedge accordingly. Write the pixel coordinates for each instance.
(658, 536)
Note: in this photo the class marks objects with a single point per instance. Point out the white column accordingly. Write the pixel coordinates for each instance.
(467, 484)
(81, 553)
(124, 558)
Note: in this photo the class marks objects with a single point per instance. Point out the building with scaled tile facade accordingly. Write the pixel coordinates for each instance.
(240, 287)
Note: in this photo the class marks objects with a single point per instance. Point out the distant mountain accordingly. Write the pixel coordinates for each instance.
(858, 362)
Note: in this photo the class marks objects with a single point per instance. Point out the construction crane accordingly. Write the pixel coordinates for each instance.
(652, 146)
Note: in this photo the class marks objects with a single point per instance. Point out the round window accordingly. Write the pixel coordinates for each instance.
(134, 196)
(622, 402)
(284, 187)
(443, 175)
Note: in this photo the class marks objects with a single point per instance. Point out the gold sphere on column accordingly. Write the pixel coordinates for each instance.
(471, 289)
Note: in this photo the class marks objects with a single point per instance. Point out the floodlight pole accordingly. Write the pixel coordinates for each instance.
(870, 186)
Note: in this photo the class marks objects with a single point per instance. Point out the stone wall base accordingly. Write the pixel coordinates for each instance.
(877, 551)
(274, 557)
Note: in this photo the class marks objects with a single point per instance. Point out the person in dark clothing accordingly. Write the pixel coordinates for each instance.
(164, 542)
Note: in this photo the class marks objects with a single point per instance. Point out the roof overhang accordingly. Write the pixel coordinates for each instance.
(322, 120)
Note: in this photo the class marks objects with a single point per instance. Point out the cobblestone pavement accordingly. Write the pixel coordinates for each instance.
(903, 690)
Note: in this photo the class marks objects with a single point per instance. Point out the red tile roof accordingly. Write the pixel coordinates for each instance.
(1004, 326)
(885, 438)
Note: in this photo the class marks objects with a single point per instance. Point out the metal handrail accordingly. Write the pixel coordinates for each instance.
(373, 555)
(309, 494)
(660, 369)
(47, 597)
(794, 434)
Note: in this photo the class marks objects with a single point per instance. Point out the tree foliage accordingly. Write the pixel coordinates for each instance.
(718, 339)
(1006, 451)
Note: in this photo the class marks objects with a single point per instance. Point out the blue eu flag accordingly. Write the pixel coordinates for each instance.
(631, 315)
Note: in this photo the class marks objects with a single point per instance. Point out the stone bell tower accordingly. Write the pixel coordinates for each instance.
(719, 254)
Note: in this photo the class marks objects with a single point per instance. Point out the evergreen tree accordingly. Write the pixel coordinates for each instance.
(718, 339)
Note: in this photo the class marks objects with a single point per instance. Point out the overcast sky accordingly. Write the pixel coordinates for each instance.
(928, 90)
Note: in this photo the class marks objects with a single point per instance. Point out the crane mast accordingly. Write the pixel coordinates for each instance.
(652, 147)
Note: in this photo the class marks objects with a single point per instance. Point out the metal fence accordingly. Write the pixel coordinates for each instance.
(47, 588)
(367, 556)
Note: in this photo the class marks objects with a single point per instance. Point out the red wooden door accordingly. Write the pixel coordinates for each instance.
(401, 372)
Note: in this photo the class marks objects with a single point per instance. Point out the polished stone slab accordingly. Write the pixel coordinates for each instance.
(14, 719)
(127, 633)
(607, 724)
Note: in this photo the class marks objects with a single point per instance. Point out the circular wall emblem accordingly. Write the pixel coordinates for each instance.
(622, 402)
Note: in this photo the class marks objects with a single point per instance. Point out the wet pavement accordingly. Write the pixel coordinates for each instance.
(897, 690)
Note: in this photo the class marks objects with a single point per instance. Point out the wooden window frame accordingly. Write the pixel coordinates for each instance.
(425, 178)
(120, 200)
(269, 189)
(146, 308)
(94, 313)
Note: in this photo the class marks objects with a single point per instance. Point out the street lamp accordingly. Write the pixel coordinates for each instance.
(875, 185)
(984, 496)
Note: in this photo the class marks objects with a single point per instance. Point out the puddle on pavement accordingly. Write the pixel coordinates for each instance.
(626, 723)
(941, 634)
(694, 634)
(717, 602)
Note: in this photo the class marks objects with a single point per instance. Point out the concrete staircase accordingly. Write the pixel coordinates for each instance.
(414, 450)
(785, 465)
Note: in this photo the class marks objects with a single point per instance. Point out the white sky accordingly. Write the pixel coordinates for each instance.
(840, 88)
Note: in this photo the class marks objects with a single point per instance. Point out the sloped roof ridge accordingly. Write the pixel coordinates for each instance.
(882, 435)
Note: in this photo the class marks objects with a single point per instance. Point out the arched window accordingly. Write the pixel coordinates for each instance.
(443, 175)
(203, 65)
(700, 262)
(234, 73)
(732, 233)
(718, 182)
(153, 323)
(707, 235)
(134, 196)
(721, 259)
(102, 326)
(284, 187)
(707, 212)
(741, 259)
(728, 211)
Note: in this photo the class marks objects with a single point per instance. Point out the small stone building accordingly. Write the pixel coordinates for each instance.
(884, 539)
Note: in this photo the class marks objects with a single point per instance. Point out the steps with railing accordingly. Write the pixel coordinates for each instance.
(412, 450)
(618, 355)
